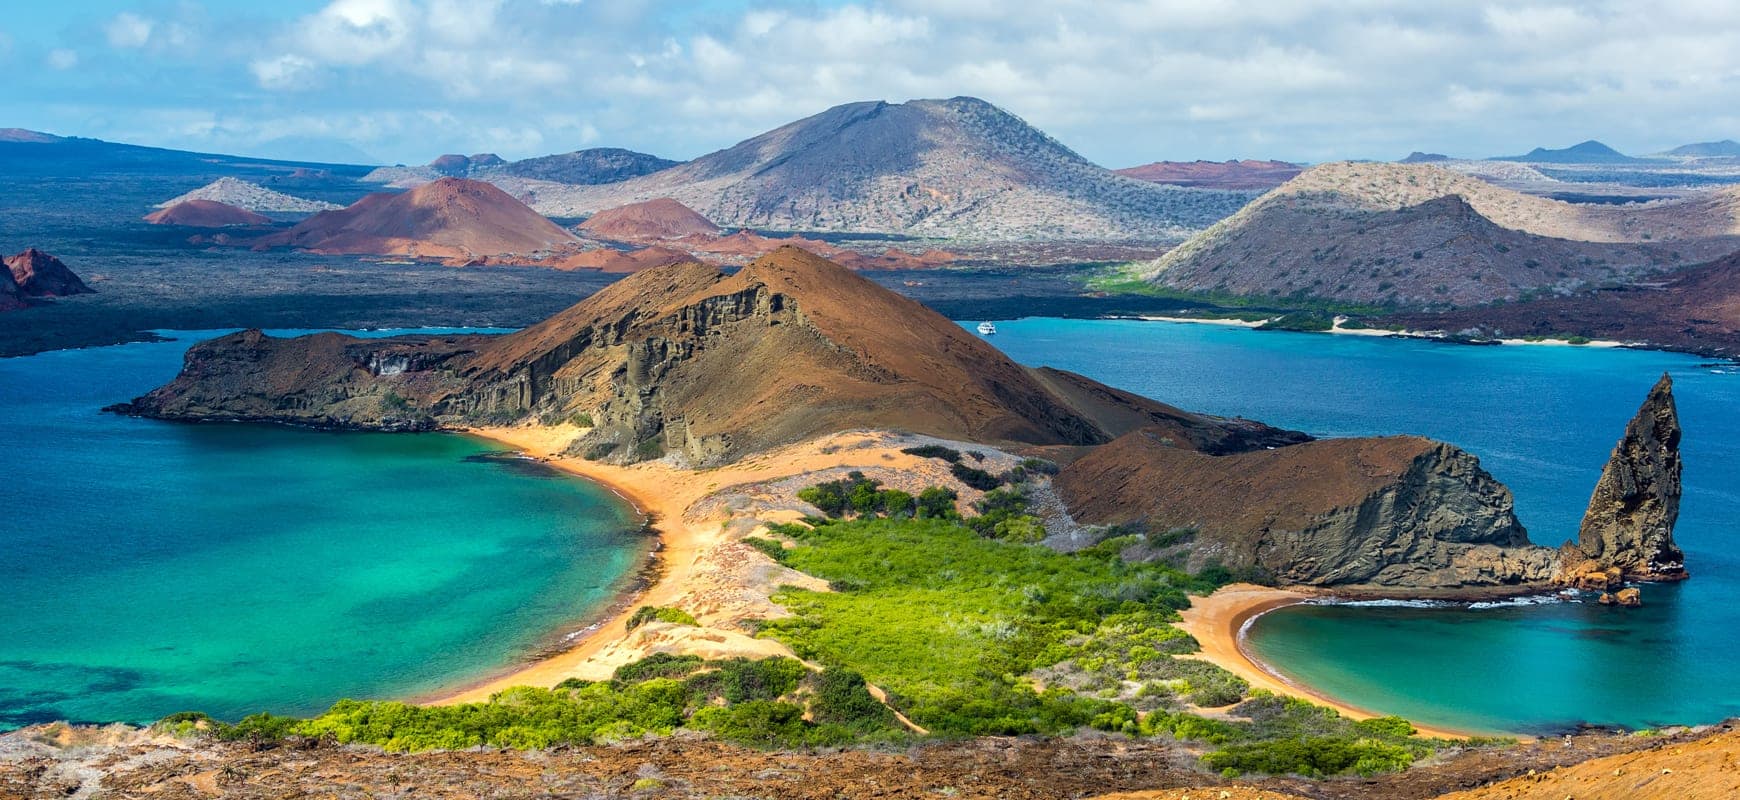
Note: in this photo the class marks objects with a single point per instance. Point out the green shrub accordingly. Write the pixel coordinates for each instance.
(393, 401)
(937, 502)
(842, 698)
(936, 451)
(646, 614)
(768, 547)
(581, 419)
(975, 477)
(757, 723)
(1312, 757)
(657, 665)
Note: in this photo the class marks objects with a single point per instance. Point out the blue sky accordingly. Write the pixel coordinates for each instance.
(1121, 81)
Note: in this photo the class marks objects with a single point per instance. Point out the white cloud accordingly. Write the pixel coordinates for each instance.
(1122, 81)
(288, 71)
(129, 30)
(63, 59)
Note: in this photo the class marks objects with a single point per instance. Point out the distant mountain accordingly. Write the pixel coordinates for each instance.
(1418, 157)
(588, 167)
(948, 168)
(1242, 174)
(25, 152)
(1419, 235)
(651, 221)
(250, 196)
(22, 136)
(1727, 148)
(1590, 152)
(205, 214)
(581, 167)
(451, 218)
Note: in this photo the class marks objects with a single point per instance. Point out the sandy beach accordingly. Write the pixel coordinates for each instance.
(1218, 621)
(701, 566)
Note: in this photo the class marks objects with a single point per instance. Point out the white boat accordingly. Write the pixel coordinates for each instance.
(986, 329)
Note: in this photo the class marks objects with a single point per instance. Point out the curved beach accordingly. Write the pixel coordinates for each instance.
(1218, 622)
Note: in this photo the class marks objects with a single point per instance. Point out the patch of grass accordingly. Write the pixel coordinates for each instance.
(645, 614)
(950, 623)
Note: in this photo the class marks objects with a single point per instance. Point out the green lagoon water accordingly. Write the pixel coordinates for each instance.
(150, 567)
(1543, 420)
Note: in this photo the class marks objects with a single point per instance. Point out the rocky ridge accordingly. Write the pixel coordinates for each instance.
(686, 361)
(1422, 235)
(1386, 515)
(581, 167)
(1243, 175)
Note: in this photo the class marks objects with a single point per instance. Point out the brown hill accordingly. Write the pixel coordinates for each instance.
(451, 218)
(684, 359)
(1242, 174)
(1383, 514)
(605, 259)
(1421, 235)
(648, 222)
(205, 214)
(1697, 309)
(39, 274)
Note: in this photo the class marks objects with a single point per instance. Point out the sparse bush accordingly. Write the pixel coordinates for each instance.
(645, 614)
(936, 451)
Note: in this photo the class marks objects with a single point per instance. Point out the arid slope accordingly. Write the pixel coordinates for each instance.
(451, 218)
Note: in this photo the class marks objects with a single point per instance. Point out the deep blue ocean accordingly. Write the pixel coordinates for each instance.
(1543, 419)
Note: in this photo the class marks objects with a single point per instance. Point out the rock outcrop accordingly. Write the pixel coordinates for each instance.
(1386, 515)
(687, 361)
(1630, 522)
(39, 274)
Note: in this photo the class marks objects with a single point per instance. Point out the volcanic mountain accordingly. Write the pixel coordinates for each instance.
(581, 167)
(685, 359)
(1589, 152)
(947, 168)
(249, 196)
(451, 218)
(647, 222)
(1242, 174)
(1422, 235)
(205, 214)
(1727, 148)
(38, 274)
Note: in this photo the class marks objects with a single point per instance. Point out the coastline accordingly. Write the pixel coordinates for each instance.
(1218, 622)
(667, 565)
(1337, 329)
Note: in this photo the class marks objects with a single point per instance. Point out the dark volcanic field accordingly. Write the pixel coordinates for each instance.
(85, 207)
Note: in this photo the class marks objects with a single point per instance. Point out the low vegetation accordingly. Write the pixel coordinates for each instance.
(645, 614)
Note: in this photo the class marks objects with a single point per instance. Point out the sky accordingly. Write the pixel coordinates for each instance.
(1123, 82)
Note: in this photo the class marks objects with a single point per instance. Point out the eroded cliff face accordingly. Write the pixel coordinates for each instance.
(1629, 527)
(1391, 514)
(687, 362)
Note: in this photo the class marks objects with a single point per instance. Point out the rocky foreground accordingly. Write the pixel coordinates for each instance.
(56, 761)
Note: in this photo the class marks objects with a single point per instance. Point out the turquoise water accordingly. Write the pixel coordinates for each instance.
(150, 567)
(1543, 420)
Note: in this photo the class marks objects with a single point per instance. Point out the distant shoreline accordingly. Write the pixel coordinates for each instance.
(1383, 333)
